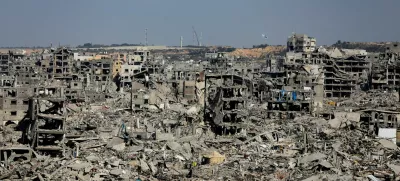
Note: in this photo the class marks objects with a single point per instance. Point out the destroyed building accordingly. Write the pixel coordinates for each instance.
(227, 93)
(344, 71)
(118, 59)
(14, 103)
(301, 43)
(97, 72)
(60, 64)
(313, 114)
(46, 117)
(385, 69)
(4, 64)
(133, 65)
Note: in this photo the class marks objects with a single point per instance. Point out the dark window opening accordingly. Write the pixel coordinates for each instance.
(12, 93)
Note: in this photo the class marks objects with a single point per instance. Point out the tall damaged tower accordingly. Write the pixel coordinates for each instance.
(227, 94)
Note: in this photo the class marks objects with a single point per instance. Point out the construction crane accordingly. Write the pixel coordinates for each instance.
(195, 35)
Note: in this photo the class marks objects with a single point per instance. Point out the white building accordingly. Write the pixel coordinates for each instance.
(78, 57)
(301, 43)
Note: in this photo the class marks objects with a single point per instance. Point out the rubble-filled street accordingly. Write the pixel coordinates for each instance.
(317, 113)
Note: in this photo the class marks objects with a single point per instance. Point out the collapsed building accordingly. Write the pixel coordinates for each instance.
(307, 81)
(136, 61)
(24, 78)
(227, 94)
(385, 69)
(316, 113)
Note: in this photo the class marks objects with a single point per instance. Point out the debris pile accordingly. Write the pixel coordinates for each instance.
(315, 114)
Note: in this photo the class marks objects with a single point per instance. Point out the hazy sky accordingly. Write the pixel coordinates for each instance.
(222, 22)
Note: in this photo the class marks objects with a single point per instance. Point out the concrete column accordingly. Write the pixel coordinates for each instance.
(5, 158)
(178, 132)
(77, 150)
(385, 119)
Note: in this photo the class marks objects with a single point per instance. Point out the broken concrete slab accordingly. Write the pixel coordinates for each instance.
(88, 169)
(325, 164)
(143, 166)
(337, 123)
(92, 158)
(387, 133)
(192, 110)
(174, 146)
(79, 165)
(115, 163)
(119, 147)
(395, 168)
(136, 148)
(164, 136)
(312, 157)
(388, 144)
(342, 119)
(115, 141)
(152, 167)
(116, 172)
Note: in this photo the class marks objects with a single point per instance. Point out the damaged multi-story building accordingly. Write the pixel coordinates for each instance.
(385, 71)
(5, 64)
(301, 43)
(308, 80)
(185, 79)
(24, 77)
(86, 106)
(344, 70)
(227, 95)
(345, 74)
(284, 88)
(133, 65)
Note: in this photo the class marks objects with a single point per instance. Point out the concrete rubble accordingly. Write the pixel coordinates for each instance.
(315, 114)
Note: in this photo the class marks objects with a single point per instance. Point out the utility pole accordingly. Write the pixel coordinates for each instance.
(181, 41)
(145, 36)
(194, 36)
(201, 38)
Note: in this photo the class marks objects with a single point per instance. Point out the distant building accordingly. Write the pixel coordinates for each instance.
(301, 43)
(133, 65)
(119, 59)
(393, 47)
(84, 57)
